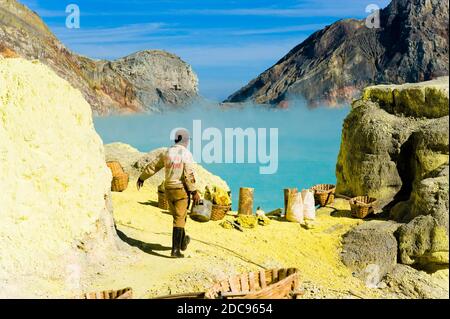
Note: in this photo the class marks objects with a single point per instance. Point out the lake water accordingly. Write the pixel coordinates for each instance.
(308, 144)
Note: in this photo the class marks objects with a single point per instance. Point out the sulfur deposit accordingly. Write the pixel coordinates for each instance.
(56, 230)
(54, 185)
(395, 147)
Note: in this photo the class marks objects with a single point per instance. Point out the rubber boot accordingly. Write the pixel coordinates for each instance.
(177, 237)
(186, 240)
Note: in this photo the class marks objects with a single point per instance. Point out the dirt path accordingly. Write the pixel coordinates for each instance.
(216, 253)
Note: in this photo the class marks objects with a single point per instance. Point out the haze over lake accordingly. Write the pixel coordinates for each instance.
(308, 144)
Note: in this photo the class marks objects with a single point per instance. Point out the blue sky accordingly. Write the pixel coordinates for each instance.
(227, 42)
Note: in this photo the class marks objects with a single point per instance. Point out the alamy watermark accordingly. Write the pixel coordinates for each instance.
(234, 146)
(73, 17)
(373, 276)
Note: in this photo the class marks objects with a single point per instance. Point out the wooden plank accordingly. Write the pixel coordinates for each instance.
(234, 284)
(225, 286)
(252, 281)
(244, 282)
(269, 276)
(262, 279)
(127, 295)
(274, 275)
(190, 295)
(282, 274)
(279, 290)
(235, 295)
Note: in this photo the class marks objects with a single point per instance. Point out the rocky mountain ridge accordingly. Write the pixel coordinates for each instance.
(144, 81)
(334, 64)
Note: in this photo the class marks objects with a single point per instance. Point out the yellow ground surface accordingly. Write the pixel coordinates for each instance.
(216, 253)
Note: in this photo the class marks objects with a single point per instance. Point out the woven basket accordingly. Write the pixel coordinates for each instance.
(126, 293)
(362, 206)
(120, 182)
(162, 200)
(218, 212)
(324, 194)
(116, 168)
(265, 284)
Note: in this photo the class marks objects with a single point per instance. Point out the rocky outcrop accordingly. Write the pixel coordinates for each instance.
(159, 78)
(412, 99)
(429, 196)
(395, 147)
(406, 282)
(370, 250)
(144, 81)
(374, 249)
(388, 155)
(55, 186)
(335, 63)
(125, 154)
(423, 241)
(134, 162)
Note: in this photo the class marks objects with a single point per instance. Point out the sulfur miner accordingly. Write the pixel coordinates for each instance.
(179, 186)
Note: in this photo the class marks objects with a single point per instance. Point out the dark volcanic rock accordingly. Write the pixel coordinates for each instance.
(370, 250)
(335, 63)
(144, 81)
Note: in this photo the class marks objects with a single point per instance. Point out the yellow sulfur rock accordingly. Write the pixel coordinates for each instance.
(217, 195)
(53, 181)
(247, 221)
(226, 224)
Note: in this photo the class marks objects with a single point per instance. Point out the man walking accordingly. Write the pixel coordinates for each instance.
(179, 186)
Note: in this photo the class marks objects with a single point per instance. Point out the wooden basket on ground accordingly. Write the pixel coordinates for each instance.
(126, 293)
(362, 206)
(115, 167)
(218, 212)
(266, 284)
(324, 194)
(119, 183)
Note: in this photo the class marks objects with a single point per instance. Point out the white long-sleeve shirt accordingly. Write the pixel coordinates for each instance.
(178, 163)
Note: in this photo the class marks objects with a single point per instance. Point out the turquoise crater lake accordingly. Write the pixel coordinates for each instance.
(308, 144)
